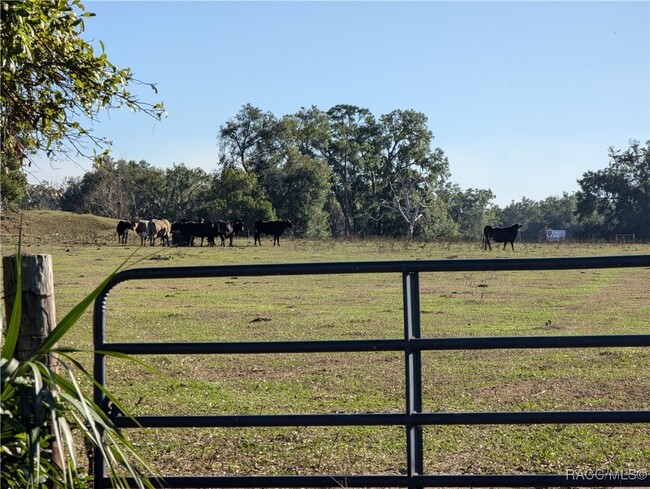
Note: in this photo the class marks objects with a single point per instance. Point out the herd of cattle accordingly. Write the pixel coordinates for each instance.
(185, 232)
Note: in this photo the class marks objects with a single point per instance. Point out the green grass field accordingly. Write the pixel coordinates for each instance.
(578, 302)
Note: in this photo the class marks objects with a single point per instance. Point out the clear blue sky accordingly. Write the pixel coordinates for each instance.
(523, 97)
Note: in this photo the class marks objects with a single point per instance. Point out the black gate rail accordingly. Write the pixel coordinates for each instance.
(413, 419)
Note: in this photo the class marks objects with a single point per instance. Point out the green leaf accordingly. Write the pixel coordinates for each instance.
(13, 328)
(73, 316)
(41, 405)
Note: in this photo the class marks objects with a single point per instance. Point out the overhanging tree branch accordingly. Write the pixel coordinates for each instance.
(52, 81)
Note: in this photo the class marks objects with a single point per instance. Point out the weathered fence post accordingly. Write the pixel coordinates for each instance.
(38, 317)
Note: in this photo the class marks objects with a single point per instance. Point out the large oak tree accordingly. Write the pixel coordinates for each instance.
(618, 197)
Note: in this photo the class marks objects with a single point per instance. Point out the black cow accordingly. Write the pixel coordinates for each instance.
(180, 233)
(203, 229)
(178, 238)
(500, 235)
(228, 229)
(123, 228)
(184, 232)
(276, 228)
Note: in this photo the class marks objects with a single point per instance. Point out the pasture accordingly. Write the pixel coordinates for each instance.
(577, 302)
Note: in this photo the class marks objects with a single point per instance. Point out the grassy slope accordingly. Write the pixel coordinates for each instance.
(42, 227)
(335, 307)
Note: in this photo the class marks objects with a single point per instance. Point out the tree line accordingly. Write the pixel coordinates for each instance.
(340, 172)
(344, 172)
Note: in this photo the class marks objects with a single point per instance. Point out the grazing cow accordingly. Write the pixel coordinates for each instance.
(228, 229)
(500, 235)
(123, 228)
(276, 228)
(142, 230)
(159, 228)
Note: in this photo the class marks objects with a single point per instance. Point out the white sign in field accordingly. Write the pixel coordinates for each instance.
(555, 234)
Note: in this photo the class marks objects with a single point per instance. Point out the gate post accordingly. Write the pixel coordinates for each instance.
(99, 374)
(413, 362)
(38, 317)
(38, 311)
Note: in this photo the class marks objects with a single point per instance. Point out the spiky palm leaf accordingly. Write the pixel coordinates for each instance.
(43, 406)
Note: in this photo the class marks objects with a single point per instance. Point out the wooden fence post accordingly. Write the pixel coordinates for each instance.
(38, 317)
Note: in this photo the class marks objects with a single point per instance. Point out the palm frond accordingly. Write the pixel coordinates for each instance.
(73, 316)
(44, 405)
(13, 327)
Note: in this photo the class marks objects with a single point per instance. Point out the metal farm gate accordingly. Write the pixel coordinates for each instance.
(412, 419)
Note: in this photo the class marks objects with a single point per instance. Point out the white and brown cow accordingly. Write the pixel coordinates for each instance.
(159, 228)
(142, 229)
